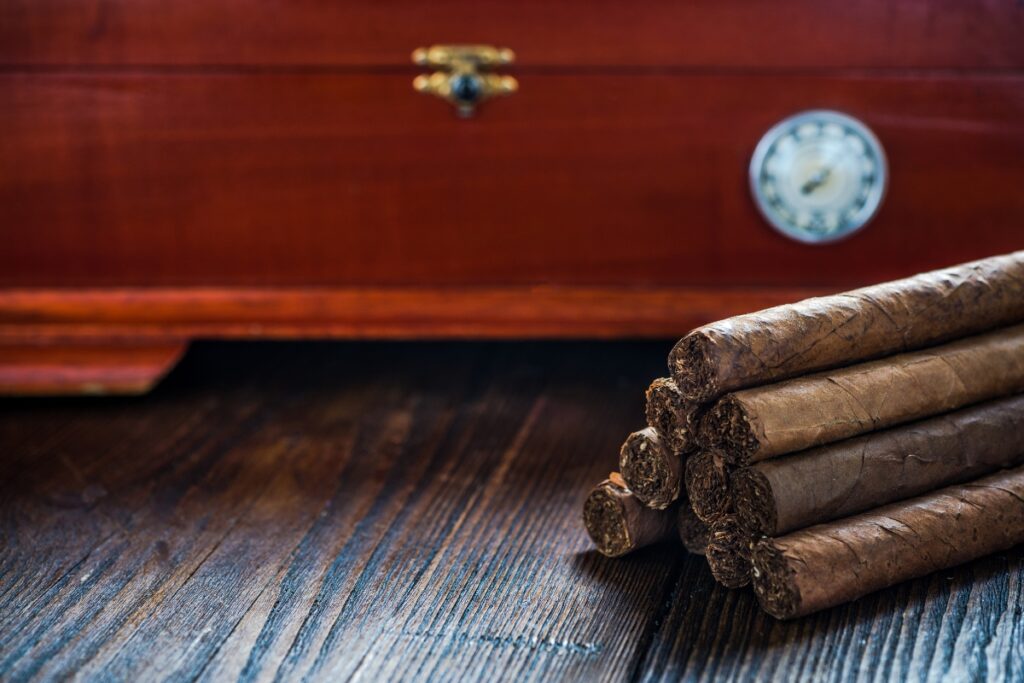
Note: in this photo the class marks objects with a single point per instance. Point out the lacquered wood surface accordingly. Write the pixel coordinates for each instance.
(586, 179)
(405, 512)
(117, 341)
(37, 366)
(166, 315)
(792, 34)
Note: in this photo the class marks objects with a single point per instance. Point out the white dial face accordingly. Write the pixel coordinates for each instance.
(818, 176)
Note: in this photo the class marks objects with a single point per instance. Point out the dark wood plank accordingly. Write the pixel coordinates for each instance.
(800, 34)
(317, 179)
(403, 511)
(966, 623)
(105, 460)
(323, 522)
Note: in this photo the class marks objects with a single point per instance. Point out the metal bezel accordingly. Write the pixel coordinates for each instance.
(871, 204)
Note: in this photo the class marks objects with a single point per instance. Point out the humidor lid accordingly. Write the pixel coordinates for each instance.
(752, 34)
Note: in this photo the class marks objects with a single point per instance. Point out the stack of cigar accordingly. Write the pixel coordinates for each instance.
(826, 449)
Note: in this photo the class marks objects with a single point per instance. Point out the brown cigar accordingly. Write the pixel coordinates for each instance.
(832, 563)
(728, 551)
(693, 532)
(827, 332)
(708, 486)
(764, 422)
(618, 523)
(838, 480)
(652, 472)
(674, 418)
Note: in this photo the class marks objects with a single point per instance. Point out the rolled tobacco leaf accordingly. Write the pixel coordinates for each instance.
(827, 332)
(708, 486)
(693, 532)
(728, 551)
(833, 563)
(618, 523)
(674, 418)
(829, 482)
(650, 469)
(764, 422)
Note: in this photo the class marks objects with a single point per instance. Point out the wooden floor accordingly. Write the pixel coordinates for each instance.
(404, 511)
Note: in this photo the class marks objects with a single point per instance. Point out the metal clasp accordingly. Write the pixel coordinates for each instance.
(463, 74)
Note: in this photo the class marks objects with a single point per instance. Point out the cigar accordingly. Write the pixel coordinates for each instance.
(825, 483)
(708, 485)
(693, 532)
(764, 422)
(650, 469)
(674, 418)
(827, 332)
(618, 523)
(728, 551)
(832, 563)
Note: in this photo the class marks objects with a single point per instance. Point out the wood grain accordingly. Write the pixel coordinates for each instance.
(122, 341)
(759, 34)
(170, 315)
(610, 179)
(961, 624)
(400, 511)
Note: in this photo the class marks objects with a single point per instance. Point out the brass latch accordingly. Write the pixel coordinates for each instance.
(462, 75)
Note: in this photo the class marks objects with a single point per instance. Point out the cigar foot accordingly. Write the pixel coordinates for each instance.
(752, 493)
(728, 552)
(670, 415)
(707, 485)
(693, 369)
(618, 523)
(728, 427)
(652, 472)
(773, 581)
(604, 516)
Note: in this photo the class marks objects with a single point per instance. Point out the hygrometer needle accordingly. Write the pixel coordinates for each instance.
(816, 181)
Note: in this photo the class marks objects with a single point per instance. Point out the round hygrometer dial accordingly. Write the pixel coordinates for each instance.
(818, 176)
